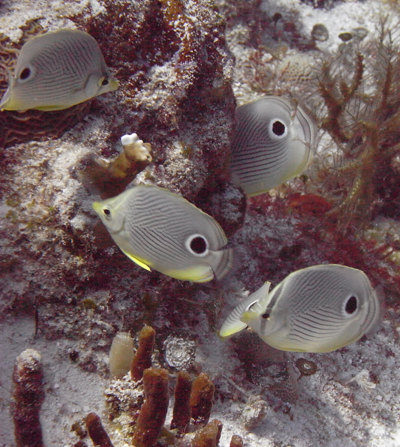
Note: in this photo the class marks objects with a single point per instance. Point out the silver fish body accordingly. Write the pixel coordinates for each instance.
(57, 70)
(317, 309)
(161, 230)
(274, 141)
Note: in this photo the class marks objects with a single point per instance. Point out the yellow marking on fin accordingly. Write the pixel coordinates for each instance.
(248, 316)
(195, 274)
(137, 261)
(232, 329)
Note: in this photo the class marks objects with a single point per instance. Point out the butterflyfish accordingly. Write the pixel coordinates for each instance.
(57, 70)
(317, 309)
(274, 142)
(161, 230)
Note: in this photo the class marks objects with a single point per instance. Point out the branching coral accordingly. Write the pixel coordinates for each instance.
(360, 90)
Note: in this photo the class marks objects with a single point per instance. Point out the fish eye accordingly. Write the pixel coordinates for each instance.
(103, 81)
(26, 73)
(107, 213)
(265, 315)
(351, 305)
(197, 245)
(277, 129)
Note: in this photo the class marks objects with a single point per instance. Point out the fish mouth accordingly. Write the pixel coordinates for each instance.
(97, 207)
(5, 101)
(113, 84)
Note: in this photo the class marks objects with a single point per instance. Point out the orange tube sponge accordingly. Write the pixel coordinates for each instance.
(209, 435)
(154, 410)
(142, 358)
(28, 397)
(96, 431)
(182, 412)
(201, 399)
(236, 441)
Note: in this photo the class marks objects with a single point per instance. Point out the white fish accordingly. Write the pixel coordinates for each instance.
(316, 309)
(274, 141)
(161, 230)
(57, 70)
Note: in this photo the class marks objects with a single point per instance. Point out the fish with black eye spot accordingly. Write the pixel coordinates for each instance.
(57, 70)
(274, 141)
(316, 309)
(162, 231)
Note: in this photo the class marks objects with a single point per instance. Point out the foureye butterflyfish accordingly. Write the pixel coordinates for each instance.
(274, 142)
(161, 230)
(316, 309)
(57, 70)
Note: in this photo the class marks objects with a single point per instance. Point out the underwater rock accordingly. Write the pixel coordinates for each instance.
(175, 72)
(254, 412)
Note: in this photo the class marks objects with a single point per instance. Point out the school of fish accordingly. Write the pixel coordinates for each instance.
(317, 309)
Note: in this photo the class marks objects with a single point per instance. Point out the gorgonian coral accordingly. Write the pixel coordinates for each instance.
(360, 89)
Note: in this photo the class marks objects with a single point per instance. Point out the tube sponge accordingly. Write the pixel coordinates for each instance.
(142, 358)
(28, 397)
(201, 399)
(121, 354)
(154, 410)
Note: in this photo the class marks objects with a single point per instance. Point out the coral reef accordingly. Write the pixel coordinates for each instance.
(177, 75)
